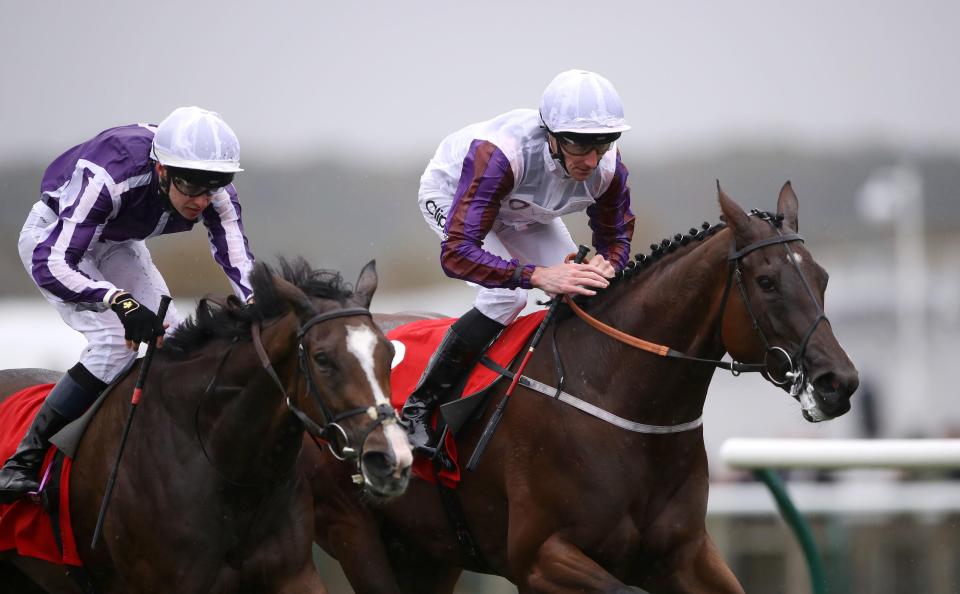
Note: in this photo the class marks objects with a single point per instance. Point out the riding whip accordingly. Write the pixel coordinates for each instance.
(498, 412)
(137, 393)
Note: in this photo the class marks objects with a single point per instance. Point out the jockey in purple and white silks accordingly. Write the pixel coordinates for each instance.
(83, 245)
(494, 192)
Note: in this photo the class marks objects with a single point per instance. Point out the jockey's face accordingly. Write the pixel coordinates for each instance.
(189, 207)
(580, 167)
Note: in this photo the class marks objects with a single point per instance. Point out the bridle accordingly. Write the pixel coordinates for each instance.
(793, 378)
(330, 432)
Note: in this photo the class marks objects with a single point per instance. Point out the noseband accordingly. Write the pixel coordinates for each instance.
(330, 431)
(794, 378)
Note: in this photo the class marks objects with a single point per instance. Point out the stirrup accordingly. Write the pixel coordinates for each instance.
(436, 453)
(426, 451)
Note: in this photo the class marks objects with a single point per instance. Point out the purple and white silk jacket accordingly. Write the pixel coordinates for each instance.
(501, 171)
(106, 190)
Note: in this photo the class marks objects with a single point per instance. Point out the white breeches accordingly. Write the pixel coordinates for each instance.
(128, 266)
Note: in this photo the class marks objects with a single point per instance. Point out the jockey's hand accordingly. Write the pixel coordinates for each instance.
(569, 278)
(139, 323)
(606, 268)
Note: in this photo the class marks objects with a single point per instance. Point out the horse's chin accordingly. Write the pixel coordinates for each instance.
(810, 405)
(381, 491)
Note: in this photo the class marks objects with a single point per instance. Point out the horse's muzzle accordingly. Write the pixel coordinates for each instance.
(382, 476)
(832, 390)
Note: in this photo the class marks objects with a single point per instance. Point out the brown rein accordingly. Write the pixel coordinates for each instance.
(643, 345)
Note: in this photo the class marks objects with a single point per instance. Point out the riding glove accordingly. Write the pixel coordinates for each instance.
(139, 323)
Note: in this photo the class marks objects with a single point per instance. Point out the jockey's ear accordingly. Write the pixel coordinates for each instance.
(366, 284)
(787, 206)
(736, 218)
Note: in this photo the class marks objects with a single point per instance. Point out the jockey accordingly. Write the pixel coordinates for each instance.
(494, 192)
(83, 245)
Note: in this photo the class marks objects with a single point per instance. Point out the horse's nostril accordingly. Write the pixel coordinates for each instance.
(379, 464)
(835, 384)
(827, 383)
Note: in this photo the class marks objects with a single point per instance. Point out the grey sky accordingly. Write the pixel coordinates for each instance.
(303, 79)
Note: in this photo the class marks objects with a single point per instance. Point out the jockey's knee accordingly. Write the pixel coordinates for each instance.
(501, 305)
(106, 359)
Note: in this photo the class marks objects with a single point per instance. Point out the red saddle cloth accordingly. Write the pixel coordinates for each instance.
(24, 524)
(420, 340)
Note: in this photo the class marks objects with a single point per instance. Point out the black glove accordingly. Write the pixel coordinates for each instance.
(139, 323)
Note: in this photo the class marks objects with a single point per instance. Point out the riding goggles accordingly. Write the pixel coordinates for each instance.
(579, 145)
(192, 190)
(194, 182)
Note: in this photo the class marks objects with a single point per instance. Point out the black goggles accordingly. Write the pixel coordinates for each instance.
(579, 145)
(193, 183)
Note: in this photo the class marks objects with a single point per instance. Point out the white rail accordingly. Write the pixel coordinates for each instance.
(751, 453)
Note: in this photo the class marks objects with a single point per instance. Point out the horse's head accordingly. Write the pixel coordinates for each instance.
(775, 309)
(343, 389)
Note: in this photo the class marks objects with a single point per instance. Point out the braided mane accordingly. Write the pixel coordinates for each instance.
(679, 241)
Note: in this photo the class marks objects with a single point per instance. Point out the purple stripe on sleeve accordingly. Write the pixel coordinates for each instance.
(56, 258)
(611, 219)
(225, 231)
(485, 179)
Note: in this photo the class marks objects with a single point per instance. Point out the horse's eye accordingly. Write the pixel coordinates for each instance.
(323, 360)
(766, 283)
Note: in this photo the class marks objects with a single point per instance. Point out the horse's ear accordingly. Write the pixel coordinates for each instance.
(297, 299)
(366, 284)
(736, 218)
(787, 206)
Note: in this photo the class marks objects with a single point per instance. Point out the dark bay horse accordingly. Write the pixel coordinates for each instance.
(208, 498)
(563, 501)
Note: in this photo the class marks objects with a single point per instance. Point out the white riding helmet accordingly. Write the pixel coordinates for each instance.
(196, 138)
(582, 102)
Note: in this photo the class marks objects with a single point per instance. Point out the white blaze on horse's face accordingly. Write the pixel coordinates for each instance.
(796, 258)
(361, 342)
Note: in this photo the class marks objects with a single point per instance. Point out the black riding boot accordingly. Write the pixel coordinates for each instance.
(19, 475)
(460, 348)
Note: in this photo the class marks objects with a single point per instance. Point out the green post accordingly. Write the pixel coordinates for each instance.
(798, 524)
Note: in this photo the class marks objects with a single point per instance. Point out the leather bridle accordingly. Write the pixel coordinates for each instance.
(793, 378)
(330, 431)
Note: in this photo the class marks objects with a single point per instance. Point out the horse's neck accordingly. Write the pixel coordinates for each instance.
(240, 416)
(675, 303)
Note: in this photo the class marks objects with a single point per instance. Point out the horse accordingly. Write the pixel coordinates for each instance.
(564, 501)
(209, 498)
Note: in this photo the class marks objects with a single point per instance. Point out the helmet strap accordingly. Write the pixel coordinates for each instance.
(558, 155)
(163, 189)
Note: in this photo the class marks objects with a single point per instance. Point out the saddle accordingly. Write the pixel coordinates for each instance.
(39, 529)
(415, 343)
(43, 529)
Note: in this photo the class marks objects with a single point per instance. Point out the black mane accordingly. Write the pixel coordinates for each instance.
(641, 262)
(232, 319)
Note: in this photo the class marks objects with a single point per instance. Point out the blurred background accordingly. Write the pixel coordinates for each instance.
(339, 106)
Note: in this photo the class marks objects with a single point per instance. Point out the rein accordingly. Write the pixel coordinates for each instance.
(657, 349)
(794, 377)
